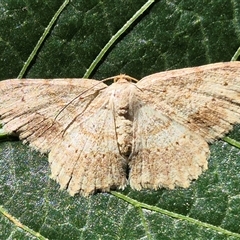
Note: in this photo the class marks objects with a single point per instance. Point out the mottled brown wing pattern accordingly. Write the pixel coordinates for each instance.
(180, 111)
(206, 99)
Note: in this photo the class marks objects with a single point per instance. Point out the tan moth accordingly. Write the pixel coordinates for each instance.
(157, 128)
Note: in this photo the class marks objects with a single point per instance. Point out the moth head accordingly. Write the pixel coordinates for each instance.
(124, 77)
(121, 78)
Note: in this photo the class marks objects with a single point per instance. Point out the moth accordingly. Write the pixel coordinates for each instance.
(150, 134)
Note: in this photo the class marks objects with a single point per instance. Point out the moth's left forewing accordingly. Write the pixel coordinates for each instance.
(205, 98)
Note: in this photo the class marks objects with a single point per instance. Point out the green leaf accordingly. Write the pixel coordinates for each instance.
(169, 35)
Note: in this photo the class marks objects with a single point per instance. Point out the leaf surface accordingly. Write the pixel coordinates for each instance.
(169, 35)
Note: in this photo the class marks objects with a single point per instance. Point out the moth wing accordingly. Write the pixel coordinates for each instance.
(176, 114)
(204, 99)
(39, 110)
(87, 159)
(165, 153)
